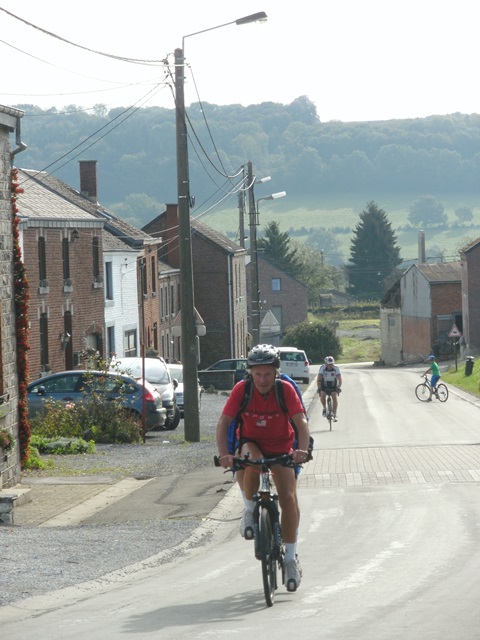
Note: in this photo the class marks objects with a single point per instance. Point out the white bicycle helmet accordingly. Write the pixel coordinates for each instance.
(263, 354)
(329, 360)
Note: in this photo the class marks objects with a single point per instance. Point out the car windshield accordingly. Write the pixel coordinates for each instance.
(177, 373)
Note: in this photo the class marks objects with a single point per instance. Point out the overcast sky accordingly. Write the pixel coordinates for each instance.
(356, 60)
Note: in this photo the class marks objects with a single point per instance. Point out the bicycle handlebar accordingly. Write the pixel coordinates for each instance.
(285, 459)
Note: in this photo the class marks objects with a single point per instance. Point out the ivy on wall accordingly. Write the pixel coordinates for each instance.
(22, 296)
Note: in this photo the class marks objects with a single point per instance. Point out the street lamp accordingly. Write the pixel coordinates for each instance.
(255, 287)
(189, 338)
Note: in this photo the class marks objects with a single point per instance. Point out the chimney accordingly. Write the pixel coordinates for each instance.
(421, 246)
(88, 179)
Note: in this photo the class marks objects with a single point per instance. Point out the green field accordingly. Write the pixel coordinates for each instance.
(329, 214)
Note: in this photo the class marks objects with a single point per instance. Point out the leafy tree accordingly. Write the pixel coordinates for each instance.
(316, 274)
(427, 211)
(374, 254)
(279, 250)
(315, 338)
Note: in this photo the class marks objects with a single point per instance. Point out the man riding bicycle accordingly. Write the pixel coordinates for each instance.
(329, 378)
(265, 431)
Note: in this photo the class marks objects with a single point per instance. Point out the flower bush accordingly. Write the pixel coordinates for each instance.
(6, 440)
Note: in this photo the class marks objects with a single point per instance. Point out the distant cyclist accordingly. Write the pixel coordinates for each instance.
(329, 377)
(434, 369)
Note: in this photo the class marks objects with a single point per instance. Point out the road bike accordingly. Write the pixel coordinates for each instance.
(425, 393)
(329, 414)
(267, 533)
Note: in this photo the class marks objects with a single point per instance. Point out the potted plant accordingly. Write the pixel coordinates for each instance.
(6, 440)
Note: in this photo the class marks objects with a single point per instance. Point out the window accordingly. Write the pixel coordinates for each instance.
(154, 275)
(66, 258)
(143, 266)
(43, 339)
(109, 281)
(172, 301)
(130, 343)
(42, 259)
(276, 284)
(110, 341)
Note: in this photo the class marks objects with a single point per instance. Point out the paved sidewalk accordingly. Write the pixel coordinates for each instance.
(392, 465)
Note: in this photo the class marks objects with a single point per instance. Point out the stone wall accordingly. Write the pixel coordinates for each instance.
(9, 461)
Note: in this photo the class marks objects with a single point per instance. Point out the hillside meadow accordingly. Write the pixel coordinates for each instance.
(339, 216)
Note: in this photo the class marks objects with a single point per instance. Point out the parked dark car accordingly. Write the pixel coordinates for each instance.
(157, 374)
(239, 365)
(74, 387)
(176, 373)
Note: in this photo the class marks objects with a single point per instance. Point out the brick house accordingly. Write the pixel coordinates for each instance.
(430, 302)
(9, 461)
(219, 284)
(470, 261)
(111, 267)
(282, 295)
(62, 248)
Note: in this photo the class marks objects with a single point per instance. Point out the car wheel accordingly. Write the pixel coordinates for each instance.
(173, 424)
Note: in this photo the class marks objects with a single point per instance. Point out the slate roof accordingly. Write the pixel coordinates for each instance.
(44, 183)
(200, 228)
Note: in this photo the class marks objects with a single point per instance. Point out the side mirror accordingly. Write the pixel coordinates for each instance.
(175, 383)
(41, 391)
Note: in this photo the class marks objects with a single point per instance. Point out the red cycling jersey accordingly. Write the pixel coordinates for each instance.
(263, 420)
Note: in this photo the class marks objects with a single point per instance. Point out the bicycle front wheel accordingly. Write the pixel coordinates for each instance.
(267, 550)
(422, 391)
(330, 411)
(442, 392)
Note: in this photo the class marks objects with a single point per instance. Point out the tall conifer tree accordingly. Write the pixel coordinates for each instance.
(374, 255)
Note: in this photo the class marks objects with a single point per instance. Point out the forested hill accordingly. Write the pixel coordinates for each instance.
(136, 152)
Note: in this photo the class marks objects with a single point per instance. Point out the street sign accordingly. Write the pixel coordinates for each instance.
(454, 332)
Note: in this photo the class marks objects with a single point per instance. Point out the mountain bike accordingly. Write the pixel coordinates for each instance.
(267, 534)
(425, 393)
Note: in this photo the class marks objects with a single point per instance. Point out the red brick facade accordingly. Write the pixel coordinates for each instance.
(75, 308)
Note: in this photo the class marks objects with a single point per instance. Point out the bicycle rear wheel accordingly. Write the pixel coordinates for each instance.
(442, 392)
(267, 550)
(422, 391)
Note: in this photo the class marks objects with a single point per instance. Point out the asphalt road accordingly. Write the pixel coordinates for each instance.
(389, 540)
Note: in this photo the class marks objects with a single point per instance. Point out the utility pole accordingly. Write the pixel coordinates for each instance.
(187, 309)
(255, 293)
(241, 212)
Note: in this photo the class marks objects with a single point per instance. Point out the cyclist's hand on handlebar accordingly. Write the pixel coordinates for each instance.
(339, 390)
(300, 456)
(225, 461)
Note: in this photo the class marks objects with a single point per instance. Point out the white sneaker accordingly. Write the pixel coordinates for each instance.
(335, 419)
(246, 525)
(293, 575)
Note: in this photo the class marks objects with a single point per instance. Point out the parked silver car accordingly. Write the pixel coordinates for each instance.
(156, 372)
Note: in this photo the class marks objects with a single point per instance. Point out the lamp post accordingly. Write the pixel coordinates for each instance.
(189, 337)
(255, 287)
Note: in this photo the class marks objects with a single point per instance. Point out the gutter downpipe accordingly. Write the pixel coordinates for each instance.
(21, 146)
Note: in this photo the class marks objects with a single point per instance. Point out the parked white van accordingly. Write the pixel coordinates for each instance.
(294, 363)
